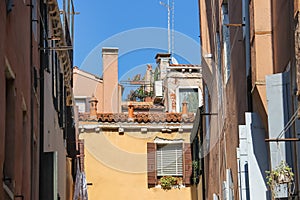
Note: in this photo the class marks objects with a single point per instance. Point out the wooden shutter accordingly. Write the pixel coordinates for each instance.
(188, 168)
(151, 167)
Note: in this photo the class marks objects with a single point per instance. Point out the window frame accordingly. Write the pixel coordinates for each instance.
(152, 168)
(178, 105)
(162, 159)
(226, 41)
(9, 5)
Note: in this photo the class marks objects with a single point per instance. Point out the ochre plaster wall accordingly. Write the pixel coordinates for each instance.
(116, 165)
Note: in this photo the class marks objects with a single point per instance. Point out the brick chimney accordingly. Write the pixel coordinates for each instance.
(163, 61)
(93, 107)
(110, 79)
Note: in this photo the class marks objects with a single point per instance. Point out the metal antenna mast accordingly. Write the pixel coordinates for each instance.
(172, 27)
(170, 24)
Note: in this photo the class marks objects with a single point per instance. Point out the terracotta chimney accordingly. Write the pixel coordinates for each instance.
(93, 107)
(130, 112)
(184, 108)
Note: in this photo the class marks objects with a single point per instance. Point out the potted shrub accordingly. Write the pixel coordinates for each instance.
(167, 182)
(195, 165)
(280, 179)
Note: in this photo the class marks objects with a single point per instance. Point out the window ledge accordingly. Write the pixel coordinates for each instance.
(174, 186)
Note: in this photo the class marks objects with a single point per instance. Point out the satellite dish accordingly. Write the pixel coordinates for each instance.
(174, 61)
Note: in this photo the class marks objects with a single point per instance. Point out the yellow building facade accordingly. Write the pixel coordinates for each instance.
(118, 156)
(142, 150)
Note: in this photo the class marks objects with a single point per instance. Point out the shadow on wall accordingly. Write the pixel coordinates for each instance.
(196, 194)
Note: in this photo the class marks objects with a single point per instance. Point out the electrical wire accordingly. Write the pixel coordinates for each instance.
(289, 124)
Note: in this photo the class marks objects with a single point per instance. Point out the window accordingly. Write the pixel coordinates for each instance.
(191, 96)
(9, 5)
(34, 13)
(219, 75)
(169, 159)
(83, 104)
(55, 70)
(207, 109)
(61, 101)
(226, 42)
(49, 175)
(10, 132)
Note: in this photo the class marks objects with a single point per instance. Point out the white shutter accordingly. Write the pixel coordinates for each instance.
(227, 187)
(215, 196)
(169, 159)
(224, 190)
(229, 184)
(279, 104)
(226, 42)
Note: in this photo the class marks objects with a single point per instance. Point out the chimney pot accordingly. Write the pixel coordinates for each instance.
(130, 112)
(93, 107)
(184, 108)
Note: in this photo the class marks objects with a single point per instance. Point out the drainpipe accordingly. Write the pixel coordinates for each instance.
(41, 113)
(248, 54)
(202, 153)
(31, 105)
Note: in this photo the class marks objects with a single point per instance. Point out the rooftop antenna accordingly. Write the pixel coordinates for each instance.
(170, 24)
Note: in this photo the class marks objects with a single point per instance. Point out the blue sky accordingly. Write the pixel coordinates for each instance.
(125, 23)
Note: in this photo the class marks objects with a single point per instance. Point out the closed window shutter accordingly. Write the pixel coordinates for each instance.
(188, 168)
(169, 159)
(151, 168)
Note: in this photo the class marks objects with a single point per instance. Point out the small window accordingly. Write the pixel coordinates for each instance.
(81, 103)
(172, 159)
(10, 132)
(226, 42)
(9, 5)
(55, 77)
(169, 159)
(191, 96)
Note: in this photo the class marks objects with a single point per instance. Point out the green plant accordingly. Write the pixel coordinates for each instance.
(195, 165)
(167, 182)
(280, 175)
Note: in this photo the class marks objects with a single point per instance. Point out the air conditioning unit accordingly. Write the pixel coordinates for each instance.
(158, 88)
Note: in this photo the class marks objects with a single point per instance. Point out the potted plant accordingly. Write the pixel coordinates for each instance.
(280, 178)
(195, 165)
(167, 182)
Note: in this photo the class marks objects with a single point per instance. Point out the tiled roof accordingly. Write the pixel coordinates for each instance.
(144, 107)
(147, 117)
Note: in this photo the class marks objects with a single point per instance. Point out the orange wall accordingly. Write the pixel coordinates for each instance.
(116, 165)
(282, 34)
